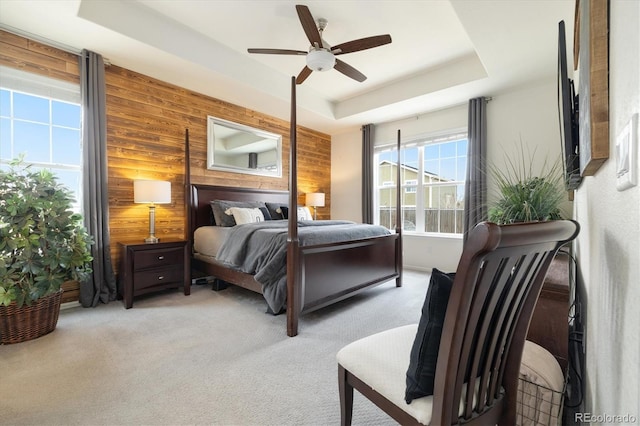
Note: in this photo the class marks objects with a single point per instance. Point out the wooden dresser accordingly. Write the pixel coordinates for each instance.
(549, 326)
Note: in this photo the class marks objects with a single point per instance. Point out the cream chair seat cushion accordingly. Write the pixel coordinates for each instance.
(381, 361)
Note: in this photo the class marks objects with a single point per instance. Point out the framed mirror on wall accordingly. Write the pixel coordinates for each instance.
(234, 147)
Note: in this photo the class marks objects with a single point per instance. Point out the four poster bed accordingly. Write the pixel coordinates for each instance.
(319, 270)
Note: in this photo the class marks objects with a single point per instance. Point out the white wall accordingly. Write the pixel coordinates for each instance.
(528, 114)
(608, 247)
(525, 122)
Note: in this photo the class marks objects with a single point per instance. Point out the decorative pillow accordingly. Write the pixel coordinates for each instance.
(304, 213)
(273, 210)
(245, 215)
(424, 352)
(283, 211)
(219, 207)
(265, 213)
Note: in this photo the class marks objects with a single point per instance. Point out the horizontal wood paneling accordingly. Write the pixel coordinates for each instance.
(146, 122)
(31, 56)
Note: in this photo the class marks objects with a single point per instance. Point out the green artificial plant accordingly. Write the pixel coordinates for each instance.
(525, 196)
(43, 243)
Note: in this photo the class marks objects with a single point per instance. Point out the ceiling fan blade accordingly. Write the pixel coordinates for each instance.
(278, 51)
(361, 44)
(309, 25)
(349, 71)
(306, 72)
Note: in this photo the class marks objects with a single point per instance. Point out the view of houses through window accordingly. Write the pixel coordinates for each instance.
(432, 174)
(40, 118)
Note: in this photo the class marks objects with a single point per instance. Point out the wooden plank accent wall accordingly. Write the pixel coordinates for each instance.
(32, 56)
(146, 122)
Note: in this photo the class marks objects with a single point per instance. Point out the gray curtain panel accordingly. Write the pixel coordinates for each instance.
(475, 188)
(102, 285)
(367, 173)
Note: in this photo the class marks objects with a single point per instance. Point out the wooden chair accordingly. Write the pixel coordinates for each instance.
(494, 292)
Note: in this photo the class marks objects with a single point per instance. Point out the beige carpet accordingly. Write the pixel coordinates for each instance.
(211, 358)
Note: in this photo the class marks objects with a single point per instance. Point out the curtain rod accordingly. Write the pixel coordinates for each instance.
(419, 116)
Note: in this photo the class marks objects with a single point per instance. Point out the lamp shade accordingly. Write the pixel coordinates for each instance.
(315, 199)
(151, 191)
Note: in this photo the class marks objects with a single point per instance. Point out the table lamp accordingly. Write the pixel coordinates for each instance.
(315, 199)
(152, 192)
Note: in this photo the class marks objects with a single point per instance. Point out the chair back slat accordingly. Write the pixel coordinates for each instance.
(497, 283)
(488, 320)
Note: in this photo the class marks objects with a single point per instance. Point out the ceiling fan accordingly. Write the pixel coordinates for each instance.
(321, 56)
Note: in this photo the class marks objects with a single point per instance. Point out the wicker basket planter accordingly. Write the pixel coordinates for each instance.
(29, 322)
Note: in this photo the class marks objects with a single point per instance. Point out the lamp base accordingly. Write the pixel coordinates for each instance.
(152, 239)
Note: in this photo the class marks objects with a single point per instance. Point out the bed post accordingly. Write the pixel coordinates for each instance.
(399, 218)
(187, 204)
(293, 279)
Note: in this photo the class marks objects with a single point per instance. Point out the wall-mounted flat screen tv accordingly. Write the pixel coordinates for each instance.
(568, 116)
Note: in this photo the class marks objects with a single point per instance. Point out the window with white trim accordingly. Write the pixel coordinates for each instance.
(40, 118)
(432, 172)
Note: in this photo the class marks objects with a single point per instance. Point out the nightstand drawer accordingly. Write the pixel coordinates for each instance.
(157, 258)
(158, 276)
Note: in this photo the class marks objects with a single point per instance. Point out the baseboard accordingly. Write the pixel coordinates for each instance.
(70, 305)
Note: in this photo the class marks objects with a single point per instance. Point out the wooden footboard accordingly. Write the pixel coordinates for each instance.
(332, 272)
(328, 273)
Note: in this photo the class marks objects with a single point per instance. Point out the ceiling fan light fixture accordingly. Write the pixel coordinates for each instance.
(320, 60)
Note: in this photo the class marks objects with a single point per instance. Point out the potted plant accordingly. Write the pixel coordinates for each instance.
(43, 244)
(525, 196)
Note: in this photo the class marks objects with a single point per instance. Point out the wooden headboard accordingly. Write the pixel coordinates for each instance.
(202, 195)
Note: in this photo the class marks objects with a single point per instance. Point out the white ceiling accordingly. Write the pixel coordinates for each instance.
(443, 51)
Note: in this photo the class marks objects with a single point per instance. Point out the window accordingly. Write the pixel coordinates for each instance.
(411, 186)
(432, 172)
(40, 118)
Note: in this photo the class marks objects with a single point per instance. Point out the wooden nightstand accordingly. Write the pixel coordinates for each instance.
(145, 268)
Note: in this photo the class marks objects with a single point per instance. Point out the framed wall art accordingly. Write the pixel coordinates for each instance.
(591, 57)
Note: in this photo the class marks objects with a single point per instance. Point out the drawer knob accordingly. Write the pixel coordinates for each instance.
(160, 257)
(161, 277)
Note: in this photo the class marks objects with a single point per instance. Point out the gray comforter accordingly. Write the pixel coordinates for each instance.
(260, 249)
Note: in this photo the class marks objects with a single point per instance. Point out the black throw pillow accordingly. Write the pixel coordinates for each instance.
(424, 352)
(273, 210)
(285, 212)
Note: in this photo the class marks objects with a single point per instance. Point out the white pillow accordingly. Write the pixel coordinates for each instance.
(245, 215)
(304, 213)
